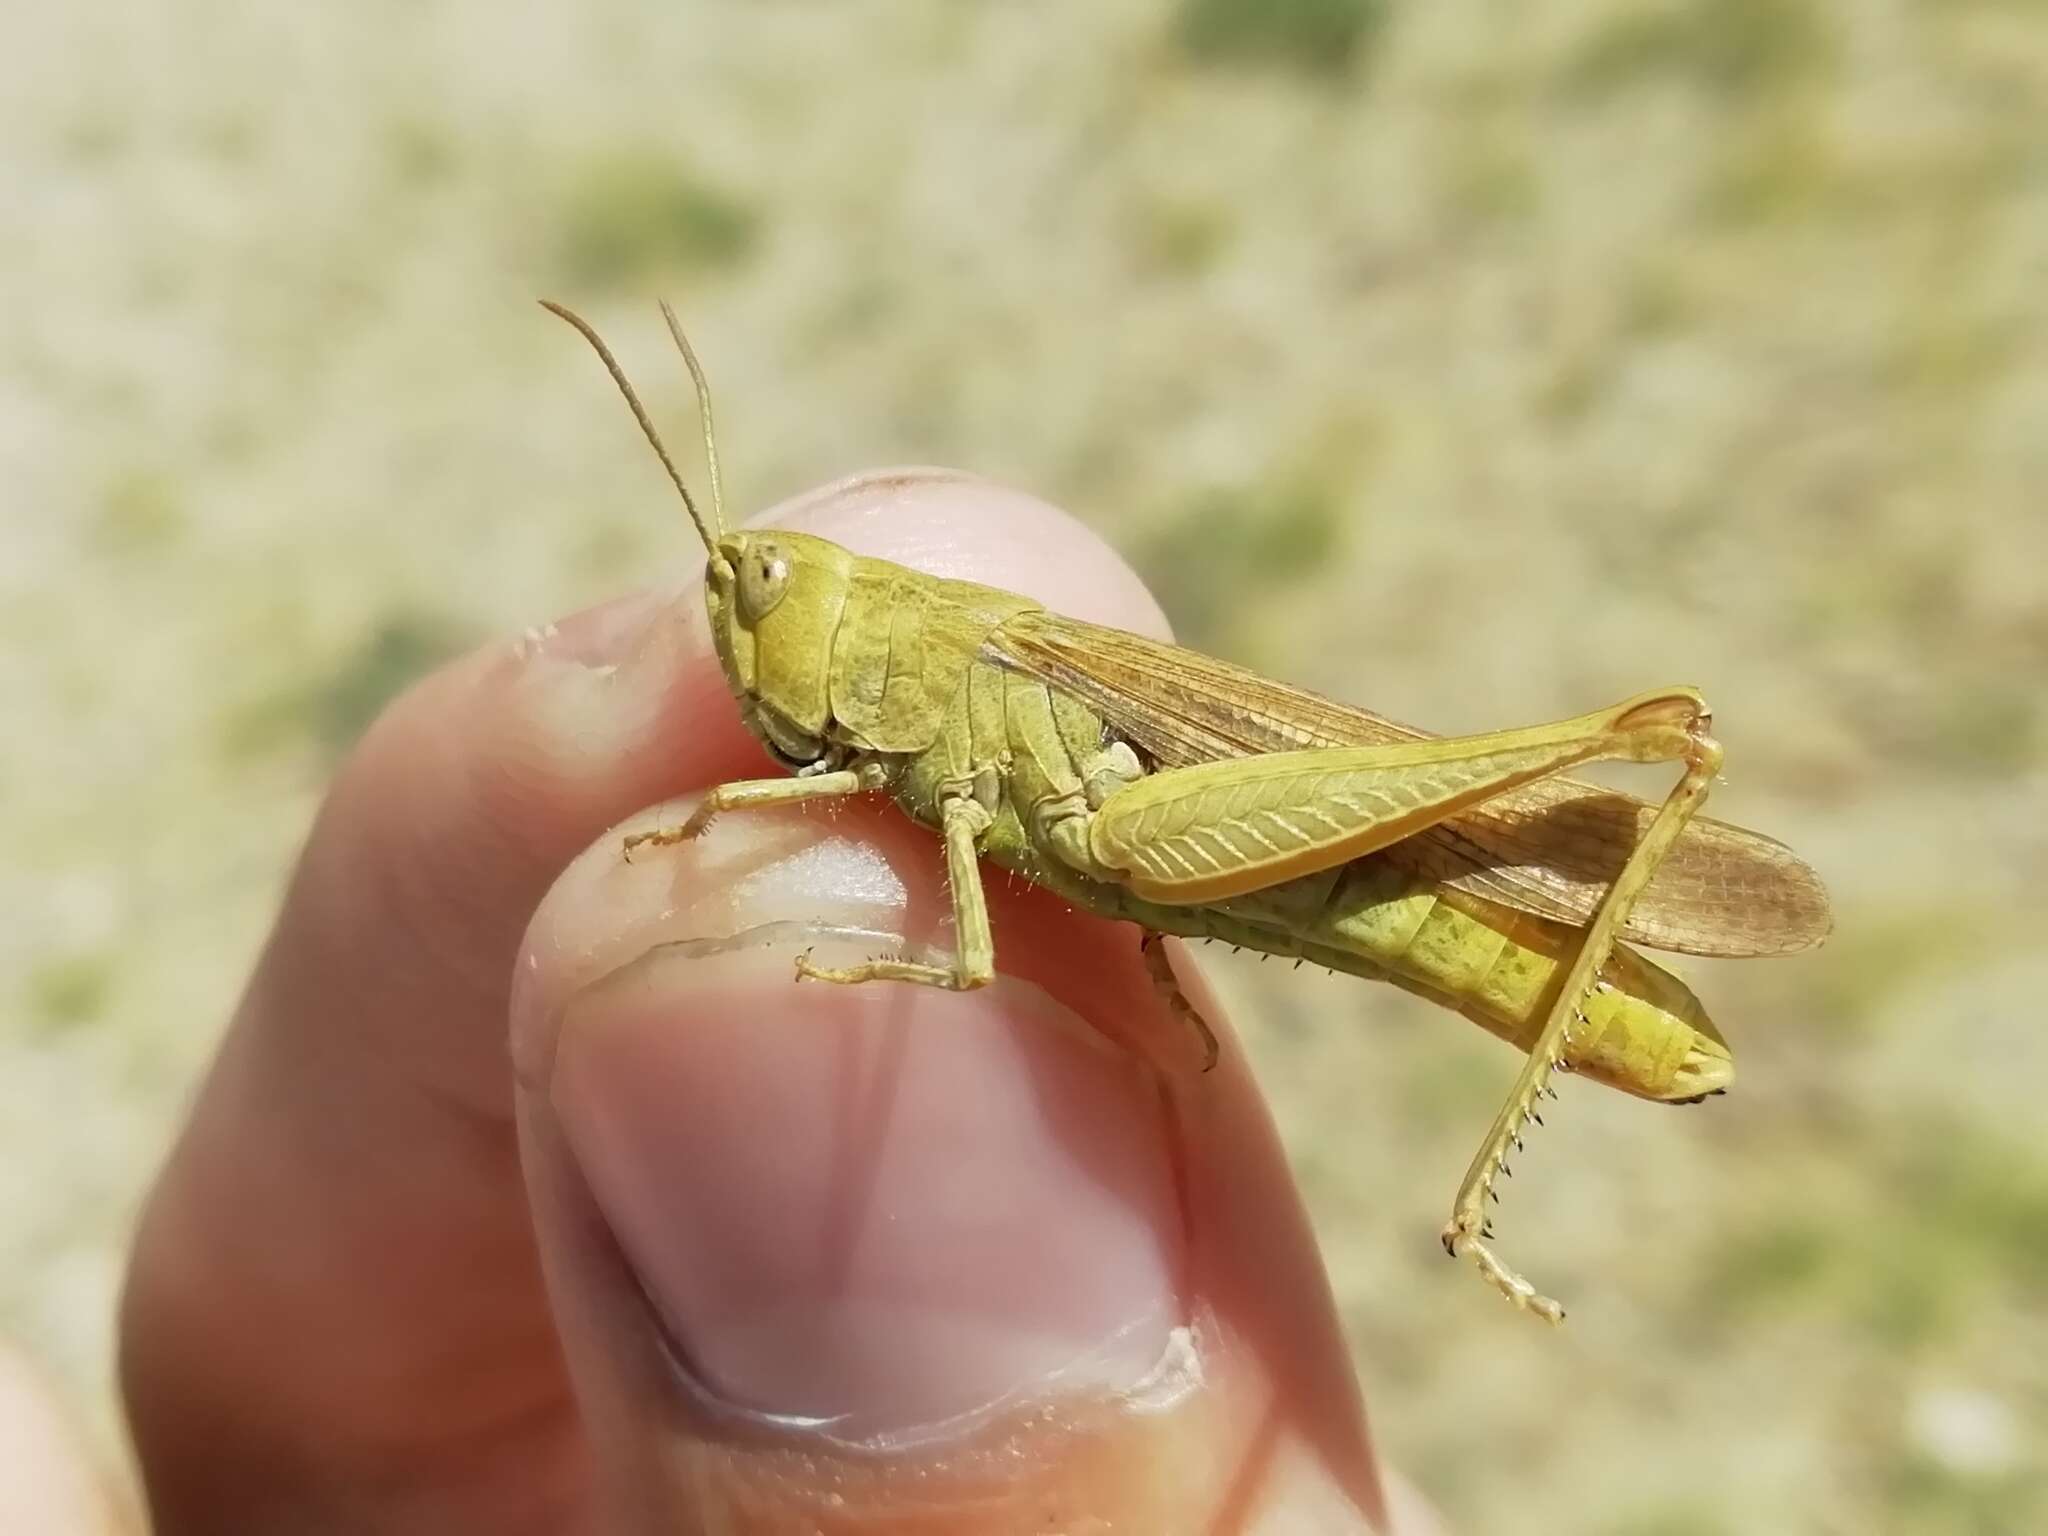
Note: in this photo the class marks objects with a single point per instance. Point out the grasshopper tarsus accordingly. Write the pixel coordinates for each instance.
(1466, 1238)
(952, 978)
(660, 837)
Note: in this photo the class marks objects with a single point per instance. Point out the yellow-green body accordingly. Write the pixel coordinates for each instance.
(889, 663)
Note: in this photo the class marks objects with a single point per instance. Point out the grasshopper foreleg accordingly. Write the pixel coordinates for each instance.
(744, 793)
(1467, 1232)
(963, 820)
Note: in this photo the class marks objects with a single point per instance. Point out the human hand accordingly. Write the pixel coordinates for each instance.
(706, 1249)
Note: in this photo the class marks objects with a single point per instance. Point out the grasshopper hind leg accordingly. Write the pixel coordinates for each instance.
(1467, 1234)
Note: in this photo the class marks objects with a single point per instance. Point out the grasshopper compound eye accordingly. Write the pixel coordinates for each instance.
(764, 578)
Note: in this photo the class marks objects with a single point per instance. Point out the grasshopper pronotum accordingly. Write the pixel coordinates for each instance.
(1142, 781)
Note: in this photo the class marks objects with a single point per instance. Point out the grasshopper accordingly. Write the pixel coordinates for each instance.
(1146, 782)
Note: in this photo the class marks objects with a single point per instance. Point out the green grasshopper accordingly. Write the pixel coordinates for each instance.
(1146, 782)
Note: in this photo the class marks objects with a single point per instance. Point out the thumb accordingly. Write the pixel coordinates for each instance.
(880, 1257)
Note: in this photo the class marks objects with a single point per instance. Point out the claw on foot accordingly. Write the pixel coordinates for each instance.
(842, 975)
(660, 837)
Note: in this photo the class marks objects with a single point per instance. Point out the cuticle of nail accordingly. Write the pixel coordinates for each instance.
(1176, 1378)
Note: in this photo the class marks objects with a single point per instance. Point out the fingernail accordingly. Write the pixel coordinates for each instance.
(878, 1212)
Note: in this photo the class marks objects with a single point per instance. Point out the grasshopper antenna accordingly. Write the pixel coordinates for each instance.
(708, 532)
(675, 329)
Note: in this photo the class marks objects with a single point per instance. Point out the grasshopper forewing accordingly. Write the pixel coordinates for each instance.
(1550, 848)
(1151, 783)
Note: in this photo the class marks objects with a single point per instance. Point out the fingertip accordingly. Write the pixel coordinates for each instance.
(887, 1219)
(886, 1213)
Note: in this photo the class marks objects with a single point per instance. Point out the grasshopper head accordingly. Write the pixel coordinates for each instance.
(775, 600)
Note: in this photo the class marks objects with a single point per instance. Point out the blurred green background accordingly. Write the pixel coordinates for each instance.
(1479, 362)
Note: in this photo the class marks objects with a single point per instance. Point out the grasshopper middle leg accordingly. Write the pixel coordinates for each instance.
(1160, 969)
(963, 821)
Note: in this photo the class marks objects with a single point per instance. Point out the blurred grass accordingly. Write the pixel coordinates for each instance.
(1735, 48)
(140, 514)
(1477, 364)
(631, 215)
(1224, 554)
(70, 990)
(1316, 38)
(328, 714)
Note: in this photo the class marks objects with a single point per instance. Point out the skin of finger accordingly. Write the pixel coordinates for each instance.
(336, 1269)
(47, 1480)
(1272, 1439)
(1274, 1430)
